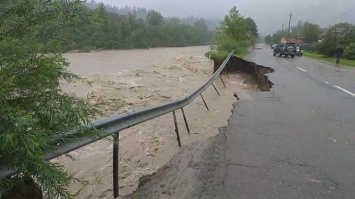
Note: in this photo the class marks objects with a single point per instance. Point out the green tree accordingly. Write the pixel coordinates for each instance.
(311, 32)
(339, 35)
(154, 23)
(233, 33)
(252, 27)
(276, 37)
(154, 18)
(200, 33)
(346, 34)
(34, 111)
(350, 51)
(139, 36)
(268, 39)
(235, 26)
(328, 45)
(297, 28)
(130, 29)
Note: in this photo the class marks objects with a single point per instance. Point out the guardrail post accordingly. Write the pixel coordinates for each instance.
(115, 165)
(187, 126)
(223, 81)
(215, 89)
(204, 102)
(176, 130)
(112, 126)
(226, 70)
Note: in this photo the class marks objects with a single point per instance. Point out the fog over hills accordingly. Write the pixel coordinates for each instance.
(268, 14)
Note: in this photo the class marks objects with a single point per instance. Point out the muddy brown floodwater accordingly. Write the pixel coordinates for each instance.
(124, 80)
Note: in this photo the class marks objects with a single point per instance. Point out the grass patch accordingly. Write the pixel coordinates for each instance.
(222, 55)
(347, 62)
(242, 53)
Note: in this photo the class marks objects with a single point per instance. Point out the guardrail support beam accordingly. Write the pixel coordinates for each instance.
(204, 102)
(111, 127)
(222, 81)
(215, 89)
(226, 69)
(115, 165)
(187, 126)
(176, 129)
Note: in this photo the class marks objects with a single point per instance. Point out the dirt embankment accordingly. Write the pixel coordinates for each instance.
(257, 72)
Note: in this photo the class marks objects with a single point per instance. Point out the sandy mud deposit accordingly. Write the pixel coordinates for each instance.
(125, 80)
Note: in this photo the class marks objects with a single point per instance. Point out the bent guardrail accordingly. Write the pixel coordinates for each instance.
(113, 125)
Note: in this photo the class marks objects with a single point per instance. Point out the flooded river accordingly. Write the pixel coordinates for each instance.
(124, 80)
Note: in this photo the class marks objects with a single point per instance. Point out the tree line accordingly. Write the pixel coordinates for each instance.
(143, 12)
(322, 40)
(111, 30)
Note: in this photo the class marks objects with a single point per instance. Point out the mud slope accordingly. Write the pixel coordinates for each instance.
(239, 65)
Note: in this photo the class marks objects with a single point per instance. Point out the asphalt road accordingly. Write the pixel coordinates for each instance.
(296, 141)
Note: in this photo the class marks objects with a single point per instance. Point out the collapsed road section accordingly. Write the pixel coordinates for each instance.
(257, 72)
(188, 173)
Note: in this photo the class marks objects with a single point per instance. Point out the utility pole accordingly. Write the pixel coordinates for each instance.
(289, 26)
(283, 27)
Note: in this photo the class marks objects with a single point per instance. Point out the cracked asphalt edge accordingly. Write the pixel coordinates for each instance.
(189, 174)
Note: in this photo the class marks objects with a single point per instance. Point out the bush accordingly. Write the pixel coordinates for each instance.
(349, 51)
(326, 48)
(34, 111)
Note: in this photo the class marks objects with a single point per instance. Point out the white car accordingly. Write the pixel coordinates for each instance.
(299, 51)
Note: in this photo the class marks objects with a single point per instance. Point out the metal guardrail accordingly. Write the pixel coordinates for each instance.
(113, 125)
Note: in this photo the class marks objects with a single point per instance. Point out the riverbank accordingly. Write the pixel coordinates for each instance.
(128, 79)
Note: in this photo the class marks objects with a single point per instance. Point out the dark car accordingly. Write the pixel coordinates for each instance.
(274, 46)
(286, 49)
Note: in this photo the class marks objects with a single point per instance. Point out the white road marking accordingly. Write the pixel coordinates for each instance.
(315, 181)
(284, 60)
(346, 91)
(334, 140)
(302, 69)
(327, 82)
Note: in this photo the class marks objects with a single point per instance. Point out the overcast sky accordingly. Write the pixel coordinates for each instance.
(268, 14)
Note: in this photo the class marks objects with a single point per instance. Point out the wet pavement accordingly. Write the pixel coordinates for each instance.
(296, 141)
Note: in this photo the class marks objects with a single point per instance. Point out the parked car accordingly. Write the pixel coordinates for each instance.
(274, 46)
(299, 51)
(285, 49)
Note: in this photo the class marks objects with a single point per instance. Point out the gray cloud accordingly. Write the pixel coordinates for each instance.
(268, 14)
